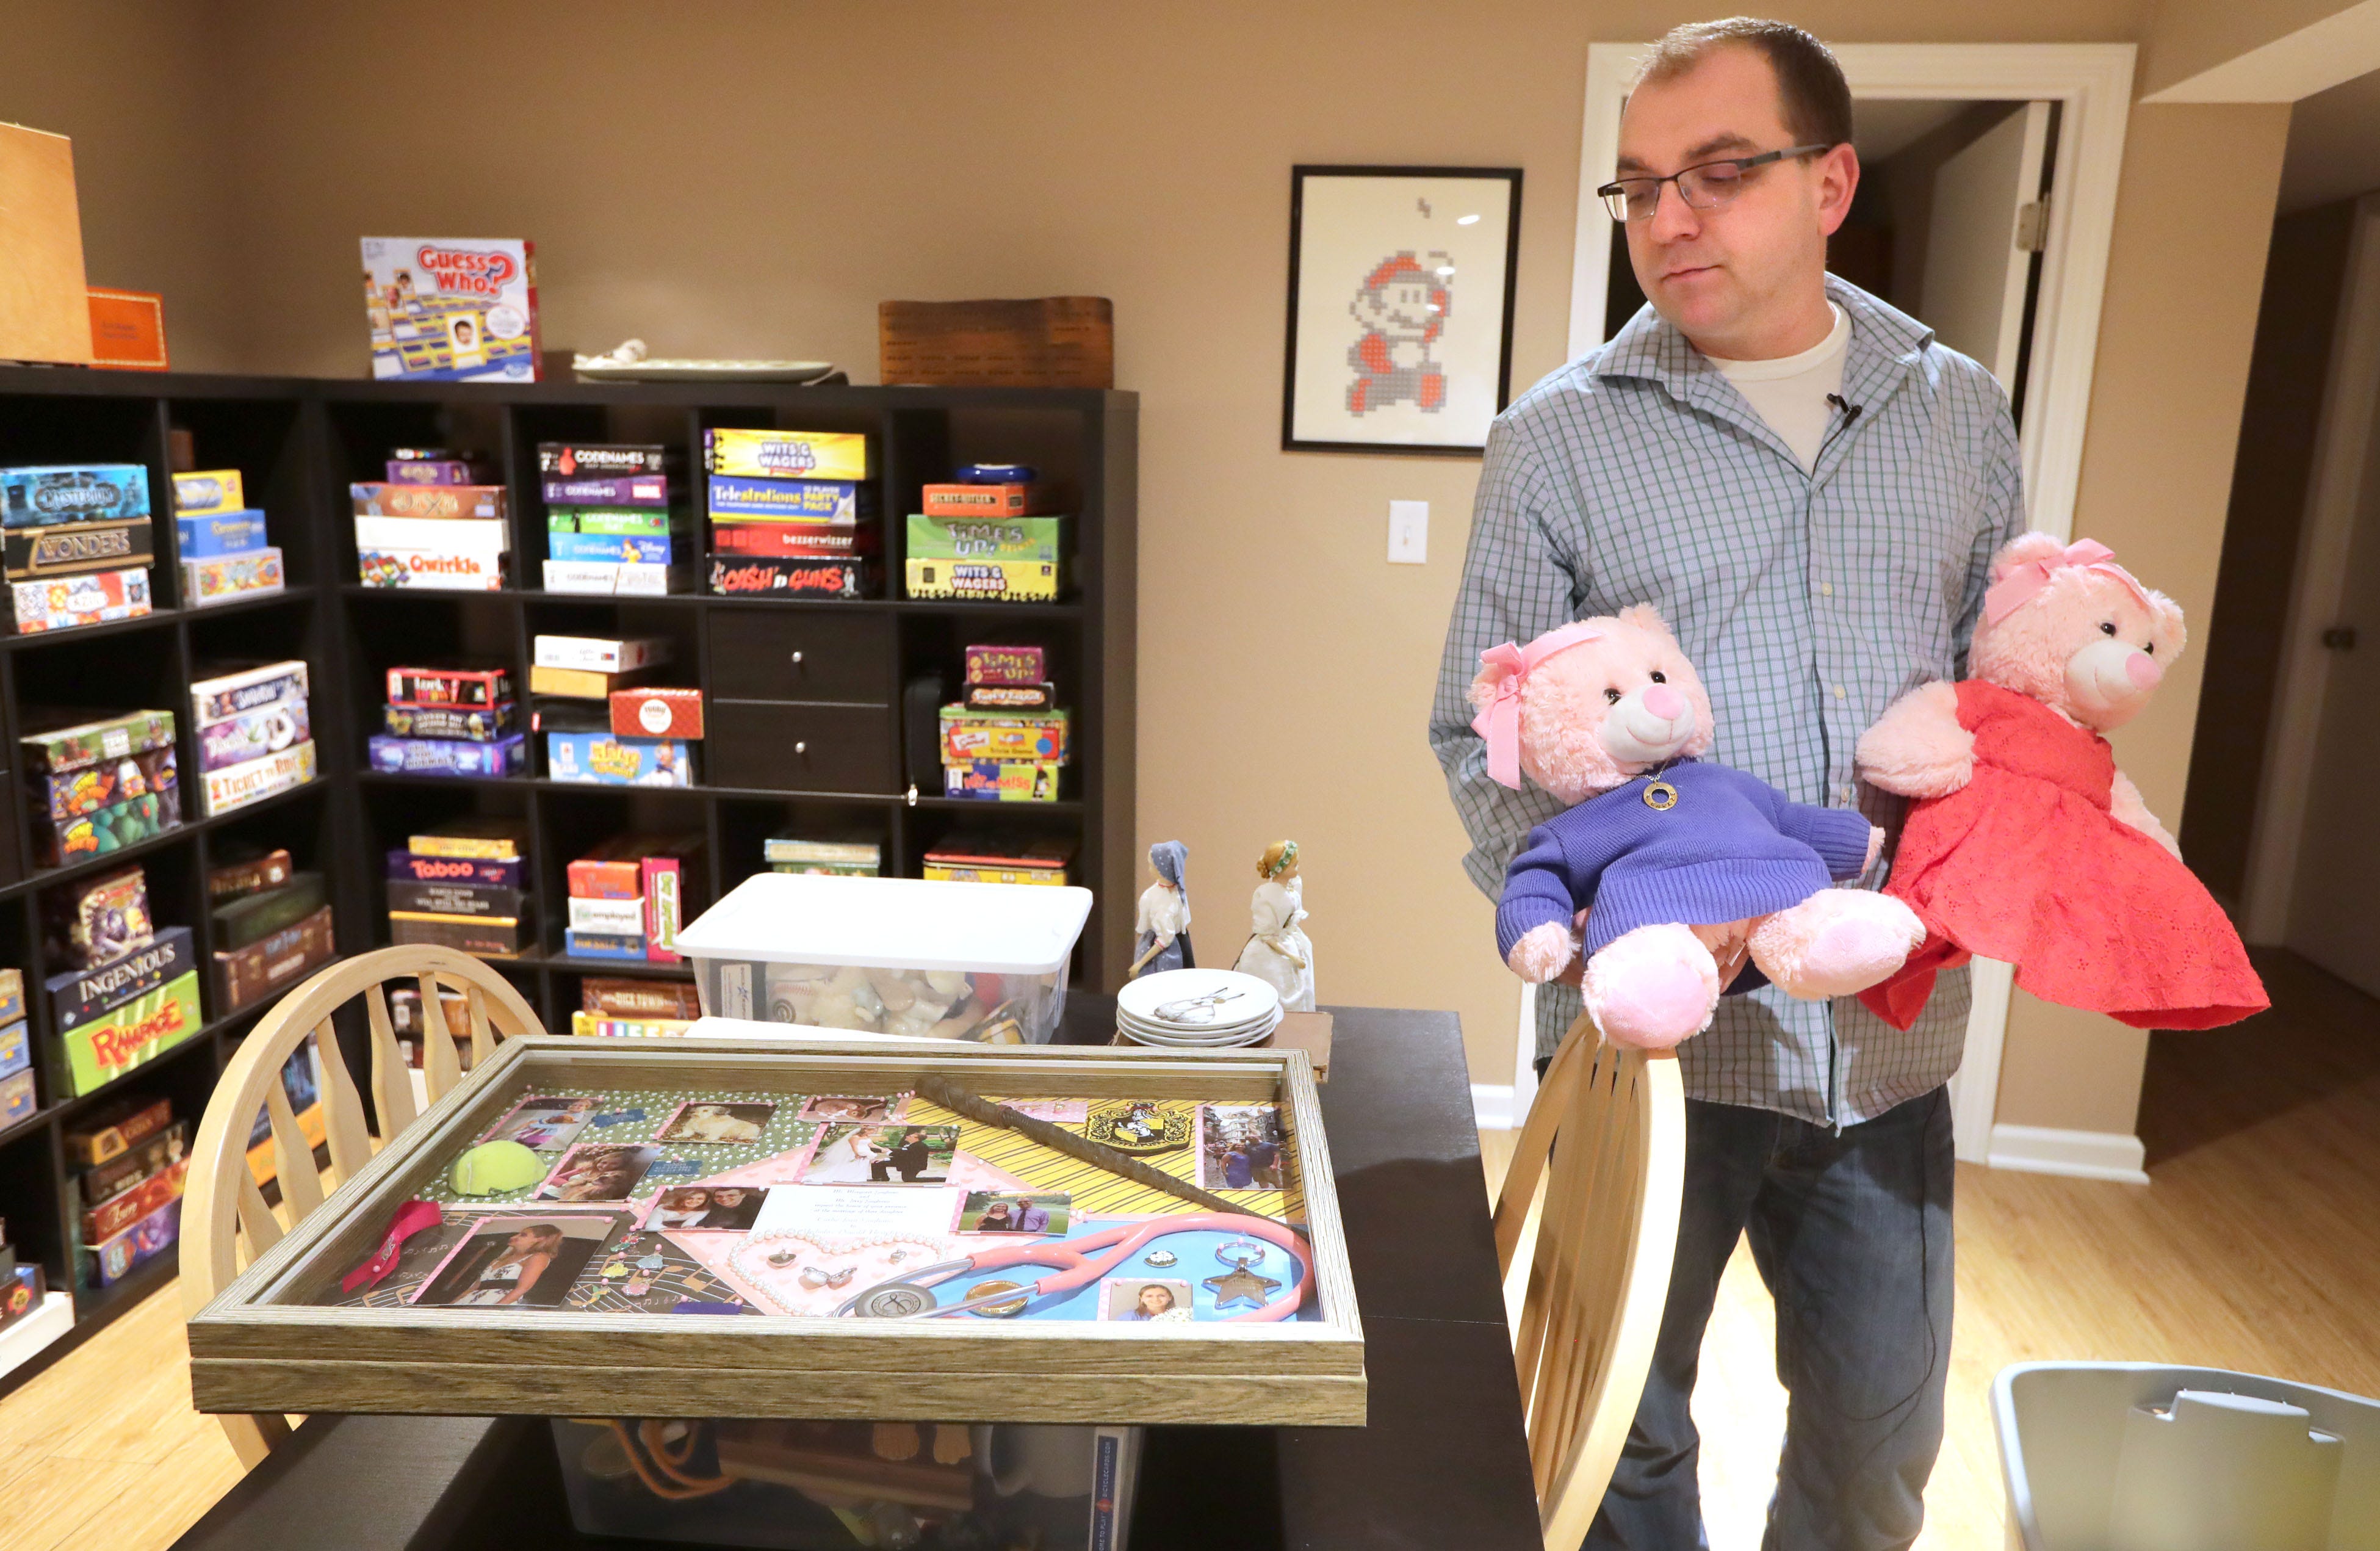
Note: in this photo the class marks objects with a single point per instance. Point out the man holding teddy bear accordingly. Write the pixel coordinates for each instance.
(1810, 490)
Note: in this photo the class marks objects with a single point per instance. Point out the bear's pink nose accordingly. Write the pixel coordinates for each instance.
(1665, 703)
(2143, 670)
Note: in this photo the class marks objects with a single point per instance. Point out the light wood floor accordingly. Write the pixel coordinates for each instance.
(2256, 1248)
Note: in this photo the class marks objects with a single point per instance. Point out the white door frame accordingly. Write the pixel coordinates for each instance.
(2341, 451)
(2093, 82)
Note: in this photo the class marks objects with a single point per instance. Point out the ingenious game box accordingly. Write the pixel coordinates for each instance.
(451, 309)
(132, 1033)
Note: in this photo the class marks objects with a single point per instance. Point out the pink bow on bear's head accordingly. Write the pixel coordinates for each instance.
(2023, 582)
(1500, 721)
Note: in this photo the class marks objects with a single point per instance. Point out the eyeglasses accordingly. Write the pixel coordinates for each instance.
(1706, 186)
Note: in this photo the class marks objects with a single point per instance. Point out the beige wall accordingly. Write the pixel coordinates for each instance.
(2187, 37)
(143, 91)
(2174, 343)
(752, 178)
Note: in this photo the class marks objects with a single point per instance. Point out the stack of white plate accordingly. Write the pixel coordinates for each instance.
(1197, 1010)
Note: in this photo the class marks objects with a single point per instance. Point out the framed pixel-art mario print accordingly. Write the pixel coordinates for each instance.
(1400, 307)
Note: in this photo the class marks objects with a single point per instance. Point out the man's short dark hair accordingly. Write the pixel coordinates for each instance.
(1815, 99)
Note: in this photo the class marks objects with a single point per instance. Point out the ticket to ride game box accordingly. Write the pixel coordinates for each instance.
(743, 1222)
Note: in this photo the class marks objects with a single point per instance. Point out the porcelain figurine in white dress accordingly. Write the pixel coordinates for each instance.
(1278, 952)
(1163, 939)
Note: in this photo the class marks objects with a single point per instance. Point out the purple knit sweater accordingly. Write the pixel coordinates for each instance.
(1733, 846)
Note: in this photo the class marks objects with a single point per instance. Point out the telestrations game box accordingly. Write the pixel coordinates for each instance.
(451, 309)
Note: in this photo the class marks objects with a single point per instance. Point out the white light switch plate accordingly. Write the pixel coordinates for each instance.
(1408, 533)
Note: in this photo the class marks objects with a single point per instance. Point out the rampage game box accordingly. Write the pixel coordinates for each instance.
(451, 309)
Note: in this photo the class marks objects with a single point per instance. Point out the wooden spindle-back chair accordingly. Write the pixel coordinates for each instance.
(225, 1220)
(1613, 1122)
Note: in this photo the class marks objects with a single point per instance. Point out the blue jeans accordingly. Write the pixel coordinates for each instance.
(1851, 1233)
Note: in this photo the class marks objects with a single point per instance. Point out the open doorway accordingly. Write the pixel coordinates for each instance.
(1948, 225)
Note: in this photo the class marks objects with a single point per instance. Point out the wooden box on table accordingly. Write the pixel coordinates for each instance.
(273, 1342)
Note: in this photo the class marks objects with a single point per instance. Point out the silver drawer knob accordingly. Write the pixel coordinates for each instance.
(801, 747)
(797, 659)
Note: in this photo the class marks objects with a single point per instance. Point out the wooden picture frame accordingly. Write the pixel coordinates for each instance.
(265, 1346)
(1401, 290)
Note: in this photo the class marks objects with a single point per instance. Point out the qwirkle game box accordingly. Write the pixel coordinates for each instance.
(451, 309)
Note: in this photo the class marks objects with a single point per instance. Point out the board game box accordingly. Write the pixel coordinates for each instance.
(97, 920)
(627, 490)
(449, 686)
(251, 874)
(31, 497)
(736, 575)
(795, 540)
(15, 1047)
(139, 815)
(1010, 697)
(796, 454)
(18, 1097)
(451, 570)
(430, 503)
(451, 309)
(605, 759)
(471, 836)
(1019, 540)
(236, 786)
(741, 498)
(203, 536)
(229, 694)
(479, 871)
(251, 735)
(131, 1033)
(71, 794)
(985, 500)
(638, 549)
(62, 548)
(91, 738)
(253, 917)
(147, 1154)
(1007, 665)
(276, 961)
(599, 654)
(600, 459)
(631, 579)
(998, 781)
(442, 756)
(650, 523)
(662, 712)
(1015, 582)
(479, 723)
(225, 578)
(1000, 734)
(487, 936)
(111, 1260)
(105, 1218)
(80, 996)
(209, 491)
(92, 598)
(120, 1126)
(455, 898)
(436, 470)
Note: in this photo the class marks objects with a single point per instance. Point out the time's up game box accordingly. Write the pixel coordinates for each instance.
(451, 309)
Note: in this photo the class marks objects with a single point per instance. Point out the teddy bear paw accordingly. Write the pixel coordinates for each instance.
(1652, 987)
(1838, 941)
(1542, 952)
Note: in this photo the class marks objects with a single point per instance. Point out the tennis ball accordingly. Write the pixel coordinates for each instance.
(492, 1166)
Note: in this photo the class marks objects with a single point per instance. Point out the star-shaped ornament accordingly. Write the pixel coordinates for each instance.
(1240, 1285)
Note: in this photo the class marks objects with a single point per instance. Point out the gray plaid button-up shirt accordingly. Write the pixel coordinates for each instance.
(1809, 603)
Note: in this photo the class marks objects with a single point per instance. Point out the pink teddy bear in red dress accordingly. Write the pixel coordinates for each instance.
(2027, 844)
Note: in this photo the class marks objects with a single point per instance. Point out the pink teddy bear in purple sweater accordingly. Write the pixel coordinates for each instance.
(1674, 872)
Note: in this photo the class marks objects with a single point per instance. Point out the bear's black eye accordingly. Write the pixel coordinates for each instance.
(2109, 628)
(1661, 678)
(2150, 649)
(1611, 697)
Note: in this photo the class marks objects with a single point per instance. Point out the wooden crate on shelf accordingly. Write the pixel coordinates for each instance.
(271, 1343)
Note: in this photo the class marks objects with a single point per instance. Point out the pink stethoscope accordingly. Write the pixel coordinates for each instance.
(910, 1296)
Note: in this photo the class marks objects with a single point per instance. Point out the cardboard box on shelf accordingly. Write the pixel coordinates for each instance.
(795, 540)
(251, 735)
(79, 996)
(111, 1260)
(1002, 735)
(66, 548)
(204, 536)
(489, 540)
(62, 603)
(741, 501)
(70, 794)
(472, 837)
(606, 759)
(135, 818)
(455, 898)
(610, 549)
(236, 786)
(614, 870)
(253, 917)
(603, 944)
(741, 575)
(657, 712)
(224, 579)
(120, 1126)
(484, 936)
(251, 874)
(598, 653)
(209, 491)
(601, 459)
(1013, 582)
(476, 723)
(434, 570)
(449, 686)
(1021, 698)
(616, 579)
(796, 455)
(127, 330)
(441, 503)
(35, 496)
(627, 490)
(999, 781)
(480, 872)
(445, 757)
(12, 995)
(451, 309)
(222, 696)
(88, 739)
(95, 920)
(132, 1033)
(649, 522)
(276, 961)
(1007, 665)
(623, 917)
(18, 1098)
(986, 500)
(671, 999)
(104, 1219)
(849, 856)
(151, 1154)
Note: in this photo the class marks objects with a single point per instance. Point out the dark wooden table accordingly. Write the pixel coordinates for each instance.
(1442, 1464)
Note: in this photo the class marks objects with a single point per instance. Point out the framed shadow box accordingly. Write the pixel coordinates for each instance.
(732, 1227)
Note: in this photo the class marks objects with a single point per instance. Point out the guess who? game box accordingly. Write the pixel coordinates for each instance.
(451, 309)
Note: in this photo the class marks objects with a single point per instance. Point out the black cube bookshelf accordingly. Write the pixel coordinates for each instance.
(804, 697)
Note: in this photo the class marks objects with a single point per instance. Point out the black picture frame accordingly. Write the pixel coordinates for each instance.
(1293, 369)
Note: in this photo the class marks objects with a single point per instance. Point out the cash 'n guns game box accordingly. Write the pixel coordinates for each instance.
(451, 309)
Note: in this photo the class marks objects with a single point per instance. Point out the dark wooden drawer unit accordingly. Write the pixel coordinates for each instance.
(780, 747)
(810, 655)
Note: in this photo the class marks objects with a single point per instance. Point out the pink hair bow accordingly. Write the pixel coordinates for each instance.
(2020, 585)
(1500, 721)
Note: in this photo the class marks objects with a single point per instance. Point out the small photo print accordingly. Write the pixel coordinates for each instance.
(1240, 1147)
(544, 1125)
(526, 1262)
(705, 1121)
(731, 1208)
(1016, 1212)
(864, 1110)
(1058, 1112)
(848, 1155)
(597, 1173)
(1157, 1300)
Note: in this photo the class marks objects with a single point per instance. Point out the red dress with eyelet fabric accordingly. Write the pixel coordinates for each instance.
(2026, 863)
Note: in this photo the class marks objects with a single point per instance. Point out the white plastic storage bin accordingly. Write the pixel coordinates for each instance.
(889, 956)
(838, 1485)
(2077, 1476)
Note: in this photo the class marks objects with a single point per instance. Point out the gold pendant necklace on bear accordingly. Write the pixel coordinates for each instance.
(1660, 797)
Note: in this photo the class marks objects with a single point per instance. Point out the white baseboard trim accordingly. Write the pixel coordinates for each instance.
(1492, 1103)
(2113, 1155)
